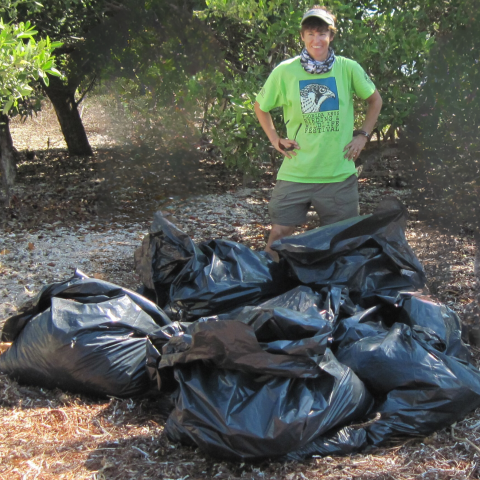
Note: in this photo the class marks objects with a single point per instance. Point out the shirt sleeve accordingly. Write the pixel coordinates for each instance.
(272, 94)
(361, 82)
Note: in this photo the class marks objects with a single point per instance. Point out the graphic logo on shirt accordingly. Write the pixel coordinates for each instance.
(320, 105)
(319, 95)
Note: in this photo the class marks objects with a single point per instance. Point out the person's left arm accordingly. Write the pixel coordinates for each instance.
(374, 105)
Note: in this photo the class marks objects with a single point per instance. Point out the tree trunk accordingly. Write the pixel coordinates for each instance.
(390, 135)
(7, 158)
(63, 99)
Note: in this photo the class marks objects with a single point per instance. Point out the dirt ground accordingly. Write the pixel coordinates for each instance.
(55, 435)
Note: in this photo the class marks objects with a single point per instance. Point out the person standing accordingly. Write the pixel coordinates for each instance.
(316, 92)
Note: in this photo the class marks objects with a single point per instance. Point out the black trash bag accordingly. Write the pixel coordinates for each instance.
(338, 303)
(345, 441)
(237, 401)
(412, 310)
(234, 276)
(330, 302)
(366, 254)
(167, 252)
(81, 289)
(367, 323)
(419, 388)
(90, 348)
(155, 343)
(233, 345)
(300, 299)
(419, 412)
(291, 322)
(295, 317)
(442, 320)
(206, 279)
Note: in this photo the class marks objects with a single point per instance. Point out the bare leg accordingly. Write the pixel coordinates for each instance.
(277, 232)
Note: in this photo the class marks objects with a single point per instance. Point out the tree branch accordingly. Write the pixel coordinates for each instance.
(92, 83)
(115, 7)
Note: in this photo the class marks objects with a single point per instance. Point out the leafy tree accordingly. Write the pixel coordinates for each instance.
(70, 22)
(22, 60)
(443, 135)
(101, 38)
(254, 37)
(162, 78)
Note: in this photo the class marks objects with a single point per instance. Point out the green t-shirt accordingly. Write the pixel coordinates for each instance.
(318, 112)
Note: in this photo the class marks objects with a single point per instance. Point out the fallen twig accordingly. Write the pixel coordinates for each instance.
(466, 440)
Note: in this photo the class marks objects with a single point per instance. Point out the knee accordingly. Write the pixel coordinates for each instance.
(283, 230)
(280, 231)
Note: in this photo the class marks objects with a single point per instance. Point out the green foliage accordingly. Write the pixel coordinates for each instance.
(390, 44)
(9, 7)
(151, 53)
(444, 129)
(255, 36)
(77, 24)
(160, 79)
(22, 60)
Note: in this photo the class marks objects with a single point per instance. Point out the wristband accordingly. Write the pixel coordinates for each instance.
(361, 132)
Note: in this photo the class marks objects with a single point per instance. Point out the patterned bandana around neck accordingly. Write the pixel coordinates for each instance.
(315, 67)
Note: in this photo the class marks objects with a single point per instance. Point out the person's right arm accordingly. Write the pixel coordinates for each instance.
(283, 145)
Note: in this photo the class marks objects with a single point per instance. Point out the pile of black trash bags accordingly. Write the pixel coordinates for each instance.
(331, 351)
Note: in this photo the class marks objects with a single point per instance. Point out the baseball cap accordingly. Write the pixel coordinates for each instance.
(321, 14)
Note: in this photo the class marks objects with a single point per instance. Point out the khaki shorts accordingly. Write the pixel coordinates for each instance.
(332, 201)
